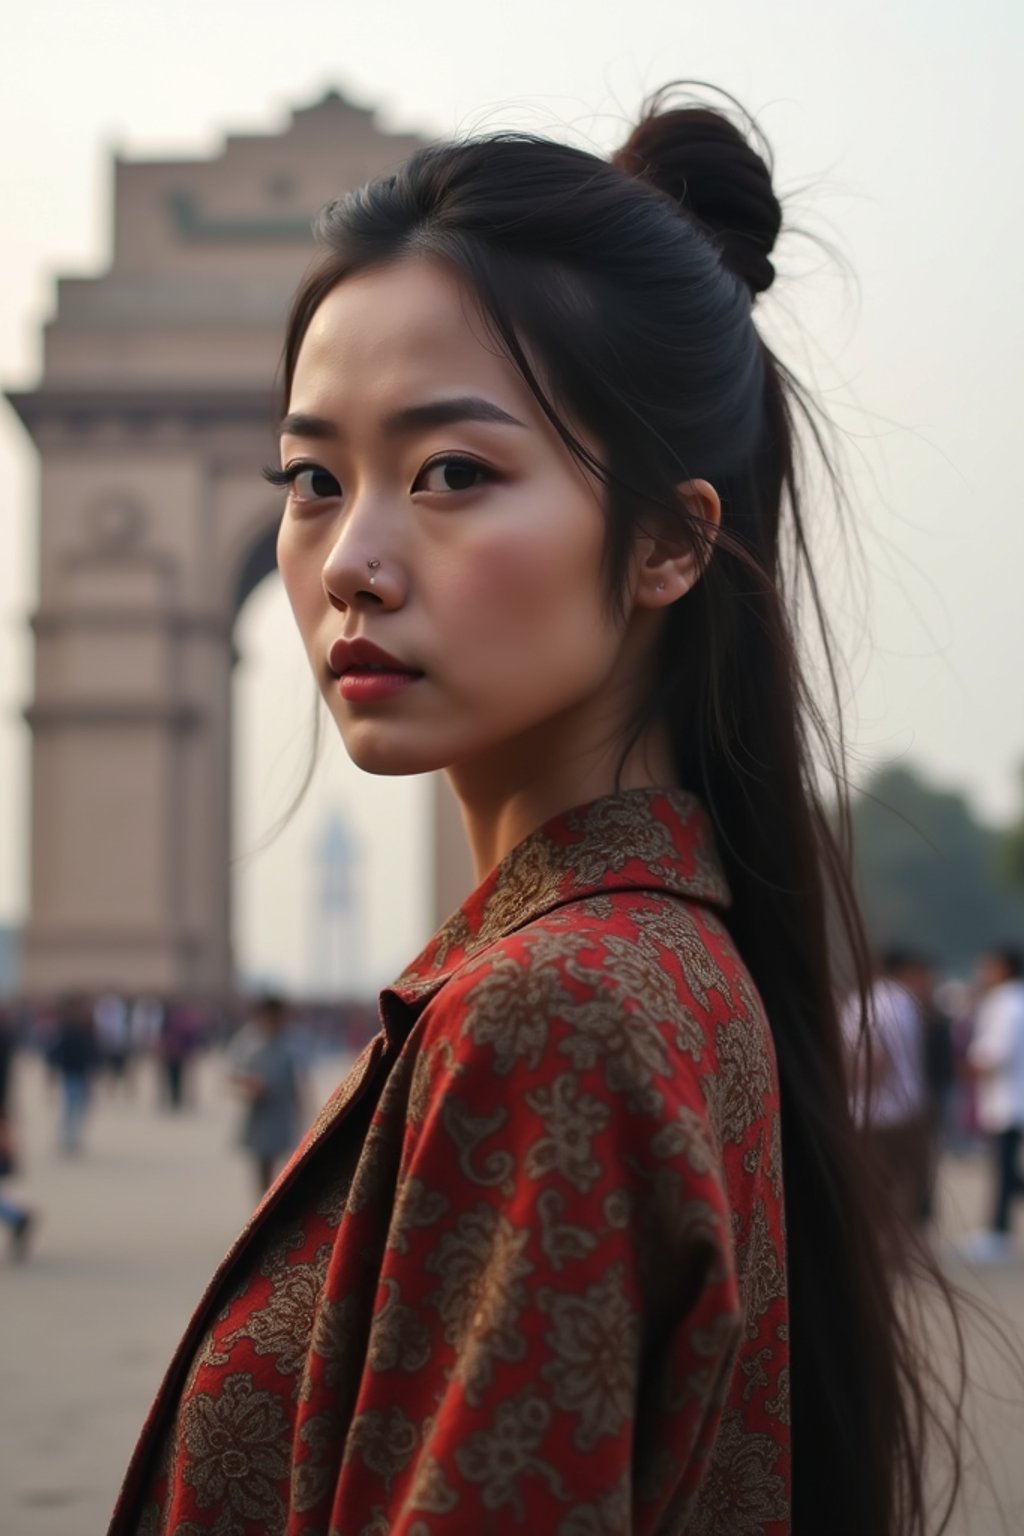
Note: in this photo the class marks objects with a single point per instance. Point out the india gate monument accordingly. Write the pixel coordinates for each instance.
(155, 407)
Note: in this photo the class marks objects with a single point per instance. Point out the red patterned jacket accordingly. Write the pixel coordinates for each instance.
(526, 1273)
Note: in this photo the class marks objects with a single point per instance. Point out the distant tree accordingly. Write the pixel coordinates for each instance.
(927, 871)
(1011, 845)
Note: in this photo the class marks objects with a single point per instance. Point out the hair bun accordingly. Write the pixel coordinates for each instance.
(703, 162)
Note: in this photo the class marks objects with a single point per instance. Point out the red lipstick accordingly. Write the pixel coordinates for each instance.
(366, 673)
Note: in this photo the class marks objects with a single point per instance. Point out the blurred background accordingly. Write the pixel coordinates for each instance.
(160, 170)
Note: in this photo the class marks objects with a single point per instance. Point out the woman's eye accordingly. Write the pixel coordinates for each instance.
(452, 474)
(312, 484)
(304, 482)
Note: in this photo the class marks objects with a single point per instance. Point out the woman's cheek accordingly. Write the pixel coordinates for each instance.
(512, 578)
(300, 576)
(287, 567)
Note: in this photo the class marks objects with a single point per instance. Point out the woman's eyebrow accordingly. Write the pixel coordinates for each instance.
(299, 424)
(443, 413)
(411, 418)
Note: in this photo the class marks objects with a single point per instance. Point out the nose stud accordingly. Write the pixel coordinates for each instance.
(373, 565)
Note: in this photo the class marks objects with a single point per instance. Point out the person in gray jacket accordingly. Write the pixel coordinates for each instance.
(267, 1074)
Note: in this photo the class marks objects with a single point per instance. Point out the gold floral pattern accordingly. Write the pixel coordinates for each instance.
(467, 1131)
(283, 1327)
(688, 1136)
(744, 1079)
(420, 1100)
(760, 1267)
(482, 1293)
(313, 1478)
(640, 975)
(236, 1455)
(615, 831)
(561, 1241)
(614, 1031)
(743, 1489)
(398, 1340)
(432, 1491)
(334, 1337)
(374, 1177)
(501, 1458)
(416, 1207)
(594, 1340)
(384, 1439)
(571, 1120)
(778, 1406)
(377, 1525)
(610, 1516)
(510, 1008)
(617, 1209)
(688, 937)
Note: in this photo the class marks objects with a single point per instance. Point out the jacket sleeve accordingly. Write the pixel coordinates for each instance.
(557, 1313)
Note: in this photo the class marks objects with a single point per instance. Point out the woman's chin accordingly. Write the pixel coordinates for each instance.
(384, 753)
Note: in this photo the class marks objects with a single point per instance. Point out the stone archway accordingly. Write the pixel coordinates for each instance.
(152, 531)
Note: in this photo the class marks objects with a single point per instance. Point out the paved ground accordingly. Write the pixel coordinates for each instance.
(128, 1237)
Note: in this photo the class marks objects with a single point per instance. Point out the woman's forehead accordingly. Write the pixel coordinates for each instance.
(409, 321)
(413, 331)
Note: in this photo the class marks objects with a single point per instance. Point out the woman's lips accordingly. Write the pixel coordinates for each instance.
(359, 654)
(366, 685)
(367, 673)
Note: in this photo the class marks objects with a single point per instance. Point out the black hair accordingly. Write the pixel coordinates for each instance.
(897, 958)
(270, 1002)
(1010, 958)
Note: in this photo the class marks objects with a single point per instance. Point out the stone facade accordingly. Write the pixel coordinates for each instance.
(155, 405)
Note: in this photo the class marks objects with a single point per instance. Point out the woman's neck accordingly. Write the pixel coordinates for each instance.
(519, 788)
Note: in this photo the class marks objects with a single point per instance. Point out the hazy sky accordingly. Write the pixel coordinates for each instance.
(899, 125)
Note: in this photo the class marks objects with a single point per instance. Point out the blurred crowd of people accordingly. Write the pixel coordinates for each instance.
(933, 1066)
(95, 1044)
(940, 1066)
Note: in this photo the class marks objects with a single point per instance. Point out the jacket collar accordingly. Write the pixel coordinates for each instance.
(638, 839)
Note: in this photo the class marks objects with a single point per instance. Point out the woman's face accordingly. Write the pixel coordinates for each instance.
(435, 514)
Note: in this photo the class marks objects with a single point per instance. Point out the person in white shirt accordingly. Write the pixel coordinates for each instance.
(888, 1089)
(110, 1017)
(996, 1059)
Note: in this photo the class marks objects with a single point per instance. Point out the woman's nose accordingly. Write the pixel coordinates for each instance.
(352, 577)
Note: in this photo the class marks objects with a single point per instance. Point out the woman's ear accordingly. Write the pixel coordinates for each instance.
(670, 566)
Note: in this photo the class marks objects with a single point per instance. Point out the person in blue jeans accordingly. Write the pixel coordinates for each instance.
(996, 1057)
(17, 1217)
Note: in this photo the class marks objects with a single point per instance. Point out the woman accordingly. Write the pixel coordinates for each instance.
(528, 1270)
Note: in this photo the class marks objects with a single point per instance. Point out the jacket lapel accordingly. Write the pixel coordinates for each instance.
(639, 839)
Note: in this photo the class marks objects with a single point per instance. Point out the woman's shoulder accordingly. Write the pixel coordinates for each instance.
(645, 976)
(648, 945)
(633, 1010)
